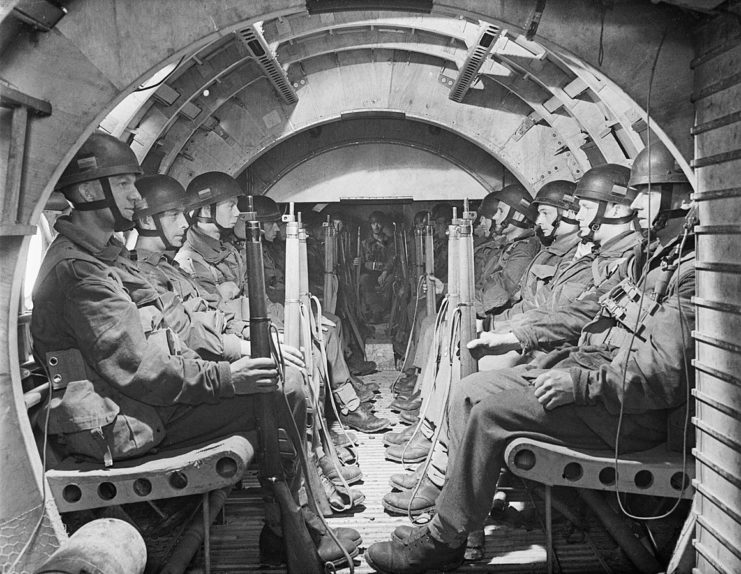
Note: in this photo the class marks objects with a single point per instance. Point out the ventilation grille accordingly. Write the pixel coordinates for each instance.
(259, 50)
(474, 60)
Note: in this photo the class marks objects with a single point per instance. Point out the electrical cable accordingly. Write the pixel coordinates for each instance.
(301, 455)
(162, 81)
(44, 493)
(644, 273)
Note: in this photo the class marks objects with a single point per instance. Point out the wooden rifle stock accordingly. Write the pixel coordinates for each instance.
(357, 274)
(467, 289)
(301, 554)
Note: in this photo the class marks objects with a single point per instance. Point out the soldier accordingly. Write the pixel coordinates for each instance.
(161, 225)
(376, 261)
(350, 392)
(127, 389)
(604, 188)
(630, 371)
(513, 217)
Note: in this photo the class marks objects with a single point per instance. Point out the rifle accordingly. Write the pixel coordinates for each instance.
(467, 289)
(357, 273)
(329, 302)
(301, 553)
(430, 268)
(292, 336)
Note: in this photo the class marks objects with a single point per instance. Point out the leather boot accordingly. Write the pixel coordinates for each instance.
(351, 472)
(401, 437)
(405, 387)
(363, 420)
(360, 367)
(406, 404)
(340, 499)
(328, 550)
(403, 504)
(416, 450)
(419, 553)
(272, 549)
(364, 393)
(341, 439)
(407, 480)
(409, 417)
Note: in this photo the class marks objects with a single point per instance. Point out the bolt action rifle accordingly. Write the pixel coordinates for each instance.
(329, 302)
(292, 336)
(301, 553)
(467, 292)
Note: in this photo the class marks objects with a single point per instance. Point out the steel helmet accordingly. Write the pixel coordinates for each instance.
(558, 193)
(102, 155)
(488, 205)
(378, 216)
(442, 210)
(420, 218)
(265, 207)
(655, 165)
(520, 201)
(211, 187)
(159, 193)
(607, 182)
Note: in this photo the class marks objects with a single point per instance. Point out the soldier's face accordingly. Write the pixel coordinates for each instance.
(227, 213)
(125, 194)
(647, 205)
(375, 226)
(271, 230)
(174, 226)
(587, 212)
(547, 215)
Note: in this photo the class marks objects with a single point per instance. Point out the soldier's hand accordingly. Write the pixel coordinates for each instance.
(251, 376)
(382, 277)
(493, 344)
(554, 388)
(228, 290)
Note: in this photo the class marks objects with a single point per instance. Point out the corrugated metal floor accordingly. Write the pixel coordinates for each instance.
(511, 546)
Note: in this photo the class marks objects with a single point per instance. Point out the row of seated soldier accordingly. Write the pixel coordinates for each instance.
(582, 296)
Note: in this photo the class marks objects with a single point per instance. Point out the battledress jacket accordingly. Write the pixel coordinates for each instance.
(556, 276)
(549, 327)
(644, 370)
(500, 282)
(199, 326)
(126, 383)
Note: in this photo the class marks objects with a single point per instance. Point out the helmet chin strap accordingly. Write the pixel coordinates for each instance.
(158, 231)
(211, 219)
(120, 223)
(600, 219)
(666, 212)
(551, 237)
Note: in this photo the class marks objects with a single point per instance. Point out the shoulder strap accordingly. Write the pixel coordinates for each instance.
(64, 251)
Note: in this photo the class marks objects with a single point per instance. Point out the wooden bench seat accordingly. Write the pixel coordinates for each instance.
(83, 485)
(656, 472)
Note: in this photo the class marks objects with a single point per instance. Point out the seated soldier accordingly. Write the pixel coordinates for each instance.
(133, 386)
(630, 371)
(603, 188)
(513, 216)
(376, 262)
(161, 226)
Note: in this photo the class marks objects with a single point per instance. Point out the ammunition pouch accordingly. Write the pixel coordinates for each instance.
(347, 399)
(89, 419)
